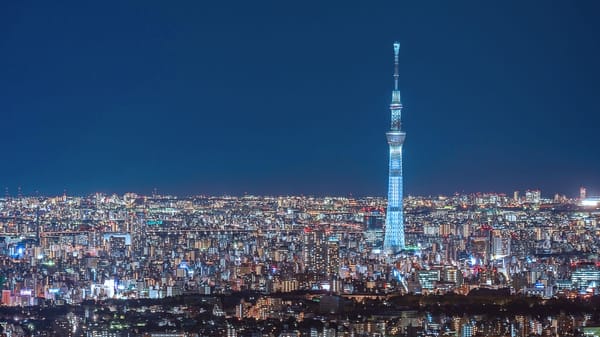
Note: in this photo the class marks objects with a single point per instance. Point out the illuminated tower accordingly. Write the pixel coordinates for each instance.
(394, 220)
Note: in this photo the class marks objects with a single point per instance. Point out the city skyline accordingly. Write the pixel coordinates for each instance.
(208, 100)
(591, 194)
(291, 263)
(218, 169)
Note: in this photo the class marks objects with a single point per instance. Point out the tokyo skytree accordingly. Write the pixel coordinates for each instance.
(394, 220)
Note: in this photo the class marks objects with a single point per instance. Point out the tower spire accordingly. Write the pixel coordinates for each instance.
(396, 75)
(396, 105)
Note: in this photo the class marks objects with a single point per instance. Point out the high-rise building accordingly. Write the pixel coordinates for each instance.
(586, 276)
(321, 253)
(333, 257)
(500, 245)
(394, 221)
(315, 250)
(428, 279)
(466, 330)
(6, 300)
(533, 197)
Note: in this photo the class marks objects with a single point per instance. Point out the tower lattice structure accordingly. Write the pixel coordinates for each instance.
(394, 221)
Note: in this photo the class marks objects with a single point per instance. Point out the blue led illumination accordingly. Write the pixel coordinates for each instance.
(394, 221)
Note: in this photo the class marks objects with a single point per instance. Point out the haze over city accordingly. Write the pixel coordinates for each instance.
(286, 98)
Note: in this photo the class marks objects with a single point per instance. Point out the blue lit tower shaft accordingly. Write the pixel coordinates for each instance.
(394, 220)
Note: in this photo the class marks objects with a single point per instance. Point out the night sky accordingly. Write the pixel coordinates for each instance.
(291, 97)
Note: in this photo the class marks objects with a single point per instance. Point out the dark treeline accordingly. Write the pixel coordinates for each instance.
(495, 304)
(486, 302)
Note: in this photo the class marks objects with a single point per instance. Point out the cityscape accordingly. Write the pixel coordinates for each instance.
(340, 253)
(163, 265)
(159, 265)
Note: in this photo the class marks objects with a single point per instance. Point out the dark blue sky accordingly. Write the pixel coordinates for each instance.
(291, 97)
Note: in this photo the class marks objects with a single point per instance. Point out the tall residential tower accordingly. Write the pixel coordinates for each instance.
(394, 221)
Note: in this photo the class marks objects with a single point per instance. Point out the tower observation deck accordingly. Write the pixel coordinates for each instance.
(394, 221)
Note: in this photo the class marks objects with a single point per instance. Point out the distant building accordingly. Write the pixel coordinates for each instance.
(428, 278)
(453, 275)
(6, 300)
(590, 202)
(315, 251)
(500, 247)
(587, 276)
(533, 197)
(373, 220)
(466, 330)
(333, 257)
